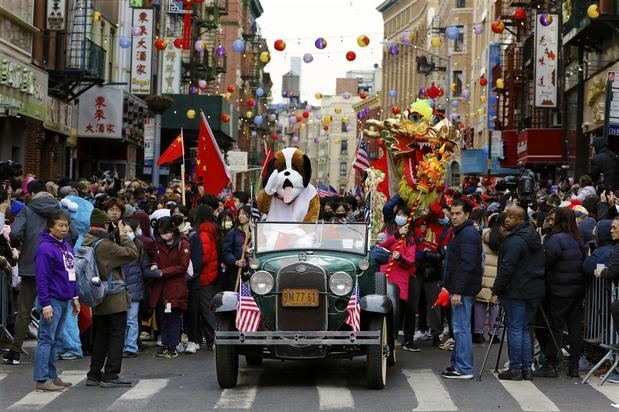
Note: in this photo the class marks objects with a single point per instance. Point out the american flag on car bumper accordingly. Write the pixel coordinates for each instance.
(248, 315)
(353, 311)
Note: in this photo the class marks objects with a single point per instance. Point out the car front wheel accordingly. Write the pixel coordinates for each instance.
(226, 357)
(376, 354)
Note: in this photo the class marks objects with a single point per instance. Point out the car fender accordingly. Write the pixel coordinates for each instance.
(225, 302)
(376, 304)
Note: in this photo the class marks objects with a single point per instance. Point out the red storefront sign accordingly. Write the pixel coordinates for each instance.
(510, 144)
(536, 146)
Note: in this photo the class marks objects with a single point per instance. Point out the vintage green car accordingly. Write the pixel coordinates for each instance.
(302, 278)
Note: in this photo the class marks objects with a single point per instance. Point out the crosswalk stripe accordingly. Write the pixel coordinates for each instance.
(430, 392)
(608, 389)
(528, 396)
(334, 394)
(3, 375)
(244, 395)
(38, 400)
(138, 396)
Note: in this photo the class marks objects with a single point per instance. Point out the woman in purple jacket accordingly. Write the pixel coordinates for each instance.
(56, 285)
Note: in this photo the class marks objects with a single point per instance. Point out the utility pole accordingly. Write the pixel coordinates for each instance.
(157, 142)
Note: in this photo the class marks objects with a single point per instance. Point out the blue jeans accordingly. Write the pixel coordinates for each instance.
(518, 312)
(49, 333)
(462, 355)
(133, 328)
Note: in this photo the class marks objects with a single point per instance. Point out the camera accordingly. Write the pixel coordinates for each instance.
(9, 169)
(523, 185)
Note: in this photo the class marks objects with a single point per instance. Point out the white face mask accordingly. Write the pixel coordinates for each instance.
(400, 220)
(167, 236)
(138, 232)
(228, 225)
(131, 235)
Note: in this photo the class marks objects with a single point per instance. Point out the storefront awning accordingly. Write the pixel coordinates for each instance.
(540, 146)
(475, 162)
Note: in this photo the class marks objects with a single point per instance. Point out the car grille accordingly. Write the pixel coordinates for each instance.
(302, 275)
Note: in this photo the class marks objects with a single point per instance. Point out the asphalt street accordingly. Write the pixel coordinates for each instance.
(188, 383)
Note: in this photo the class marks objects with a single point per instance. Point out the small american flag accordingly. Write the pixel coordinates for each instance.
(353, 311)
(248, 315)
(362, 160)
(367, 211)
(325, 190)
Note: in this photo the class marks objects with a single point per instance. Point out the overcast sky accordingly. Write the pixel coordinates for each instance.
(340, 22)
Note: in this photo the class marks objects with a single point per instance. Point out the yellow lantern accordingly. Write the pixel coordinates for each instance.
(329, 118)
(480, 111)
(265, 57)
(593, 11)
(483, 99)
(337, 141)
(302, 125)
(472, 116)
(318, 95)
(250, 114)
(436, 42)
(191, 114)
(453, 87)
(500, 83)
(96, 16)
(338, 110)
(345, 119)
(227, 95)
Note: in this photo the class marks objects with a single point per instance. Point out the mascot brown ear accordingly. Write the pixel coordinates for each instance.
(270, 166)
(307, 165)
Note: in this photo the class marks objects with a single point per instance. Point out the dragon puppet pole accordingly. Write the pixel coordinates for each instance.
(402, 239)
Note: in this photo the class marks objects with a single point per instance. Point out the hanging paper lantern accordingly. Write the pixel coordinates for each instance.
(220, 51)
(251, 102)
(274, 136)
(199, 46)
(230, 88)
(202, 84)
(432, 92)
(500, 83)
(593, 11)
(178, 43)
(280, 125)
(422, 91)
(466, 94)
(193, 90)
(238, 45)
(295, 139)
(363, 40)
(302, 125)
(308, 58)
(96, 16)
(249, 114)
(320, 43)
(225, 117)
(124, 42)
(436, 42)
(498, 26)
(292, 120)
(480, 111)
(395, 110)
(272, 117)
(351, 56)
(393, 93)
(441, 92)
(408, 37)
(453, 87)
(259, 92)
(265, 57)
(298, 119)
(483, 81)
(253, 133)
(338, 110)
(308, 107)
(161, 44)
(346, 95)
(136, 31)
(478, 28)
(483, 99)
(306, 114)
(345, 119)
(455, 104)
(316, 140)
(325, 127)
(452, 32)
(520, 14)
(363, 95)
(191, 114)
(258, 120)
(318, 95)
(453, 117)
(545, 19)
(337, 141)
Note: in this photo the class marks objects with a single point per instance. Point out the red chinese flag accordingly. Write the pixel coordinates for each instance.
(381, 164)
(173, 152)
(211, 169)
(267, 157)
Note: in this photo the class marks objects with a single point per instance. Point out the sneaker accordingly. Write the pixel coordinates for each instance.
(197, 345)
(67, 356)
(454, 374)
(584, 364)
(478, 338)
(410, 347)
(116, 383)
(419, 335)
(48, 386)
(60, 382)
(448, 344)
(527, 375)
(159, 342)
(92, 382)
(171, 354)
(130, 355)
(180, 348)
(11, 358)
(613, 377)
(546, 371)
(191, 348)
(510, 375)
(162, 353)
(494, 340)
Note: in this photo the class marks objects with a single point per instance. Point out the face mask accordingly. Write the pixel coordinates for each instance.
(167, 236)
(340, 214)
(400, 220)
(227, 225)
(328, 214)
(139, 232)
(131, 235)
(443, 220)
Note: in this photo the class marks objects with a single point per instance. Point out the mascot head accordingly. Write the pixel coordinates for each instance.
(294, 171)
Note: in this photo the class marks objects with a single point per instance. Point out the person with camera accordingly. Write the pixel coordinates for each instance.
(520, 286)
(110, 317)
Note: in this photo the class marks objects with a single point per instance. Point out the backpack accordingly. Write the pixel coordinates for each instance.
(91, 294)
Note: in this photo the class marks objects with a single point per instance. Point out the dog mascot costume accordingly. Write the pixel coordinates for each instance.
(288, 195)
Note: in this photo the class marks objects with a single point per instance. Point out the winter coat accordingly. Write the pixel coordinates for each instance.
(195, 247)
(585, 192)
(232, 251)
(490, 268)
(52, 276)
(464, 261)
(210, 265)
(110, 258)
(520, 273)
(404, 267)
(585, 228)
(173, 261)
(137, 271)
(604, 161)
(29, 224)
(603, 250)
(564, 258)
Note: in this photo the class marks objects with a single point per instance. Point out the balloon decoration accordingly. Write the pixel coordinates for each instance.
(199, 46)
(308, 108)
(265, 57)
(318, 95)
(545, 19)
(258, 120)
(220, 51)
(436, 42)
(316, 140)
(346, 95)
(318, 116)
(305, 114)
(363, 95)
(308, 58)
(478, 28)
(161, 44)
(298, 119)
(452, 32)
(338, 110)
(345, 119)
(202, 84)
(480, 111)
(320, 43)
(96, 16)
(253, 133)
(483, 81)
(593, 11)
(337, 141)
(363, 40)
(193, 90)
(230, 88)
(441, 92)
(325, 127)
(520, 14)
(422, 91)
(455, 104)
(351, 56)
(251, 102)
(393, 49)
(279, 45)
(500, 83)
(191, 114)
(453, 87)
(238, 45)
(249, 114)
(483, 99)
(178, 43)
(124, 42)
(225, 117)
(136, 31)
(453, 117)
(393, 93)
(408, 37)
(395, 110)
(498, 26)
(432, 92)
(295, 139)
(466, 94)
(272, 117)
(274, 136)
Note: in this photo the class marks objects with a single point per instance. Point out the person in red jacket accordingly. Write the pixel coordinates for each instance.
(169, 293)
(207, 231)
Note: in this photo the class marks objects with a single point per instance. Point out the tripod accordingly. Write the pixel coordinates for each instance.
(500, 323)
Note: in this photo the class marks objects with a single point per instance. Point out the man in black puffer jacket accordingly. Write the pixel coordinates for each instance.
(604, 161)
(520, 286)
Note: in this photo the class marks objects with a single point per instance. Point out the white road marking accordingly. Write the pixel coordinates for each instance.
(429, 390)
(528, 396)
(609, 390)
(38, 400)
(244, 395)
(3, 375)
(138, 396)
(334, 394)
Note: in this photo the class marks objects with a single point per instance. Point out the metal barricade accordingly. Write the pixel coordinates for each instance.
(599, 328)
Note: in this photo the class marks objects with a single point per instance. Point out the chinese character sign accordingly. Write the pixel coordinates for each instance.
(546, 50)
(56, 14)
(494, 59)
(142, 49)
(171, 69)
(101, 113)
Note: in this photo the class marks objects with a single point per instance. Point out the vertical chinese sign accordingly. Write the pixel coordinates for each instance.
(494, 59)
(101, 113)
(171, 69)
(546, 50)
(142, 50)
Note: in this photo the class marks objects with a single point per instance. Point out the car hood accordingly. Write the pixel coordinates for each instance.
(331, 262)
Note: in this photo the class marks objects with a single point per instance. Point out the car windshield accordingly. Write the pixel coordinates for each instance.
(342, 237)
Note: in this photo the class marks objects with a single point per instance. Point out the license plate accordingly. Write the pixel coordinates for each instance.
(300, 297)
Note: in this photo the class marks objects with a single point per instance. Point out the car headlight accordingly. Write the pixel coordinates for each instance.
(340, 283)
(364, 264)
(254, 263)
(261, 282)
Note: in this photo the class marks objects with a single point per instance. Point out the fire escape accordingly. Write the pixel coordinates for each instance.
(83, 65)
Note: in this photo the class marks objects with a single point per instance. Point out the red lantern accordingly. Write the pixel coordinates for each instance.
(325, 127)
(251, 102)
(178, 43)
(230, 88)
(441, 92)
(306, 114)
(299, 119)
(483, 81)
(161, 44)
(274, 136)
(225, 117)
(498, 26)
(363, 95)
(350, 56)
(520, 14)
(279, 45)
(433, 92)
(395, 110)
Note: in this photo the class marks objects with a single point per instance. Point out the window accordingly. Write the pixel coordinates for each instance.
(460, 4)
(458, 79)
(343, 146)
(343, 127)
(459, 42)
(15, 34)
(343, 169)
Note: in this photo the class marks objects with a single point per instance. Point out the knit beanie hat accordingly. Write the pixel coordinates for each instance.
(98, 218)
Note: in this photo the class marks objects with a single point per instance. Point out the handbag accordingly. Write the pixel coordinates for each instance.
(380, 255)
